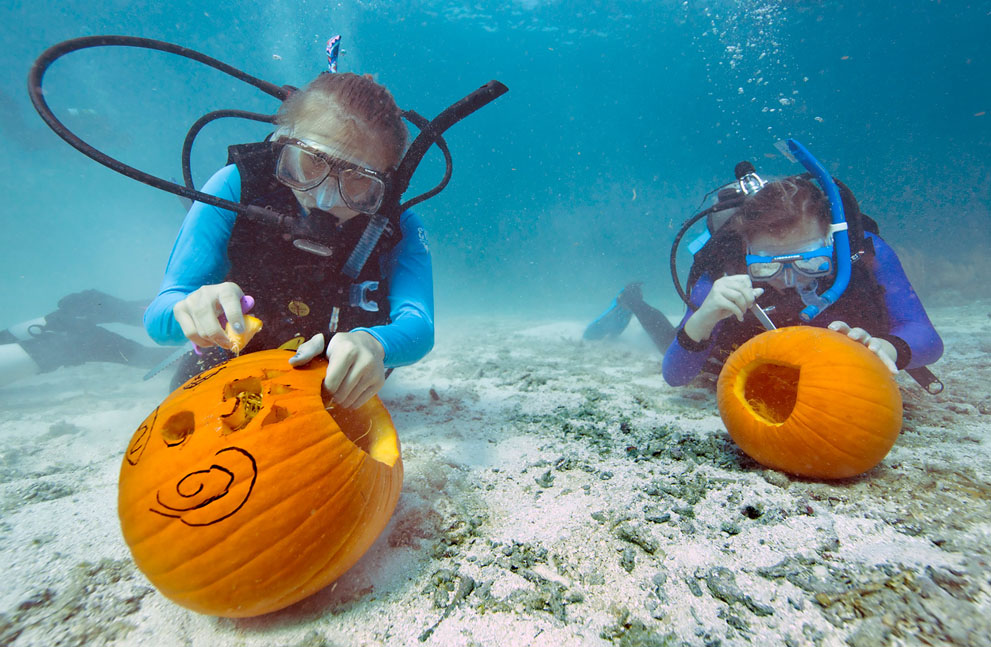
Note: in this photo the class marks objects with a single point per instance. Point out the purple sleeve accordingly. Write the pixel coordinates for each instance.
(908, 319)
(681, 364)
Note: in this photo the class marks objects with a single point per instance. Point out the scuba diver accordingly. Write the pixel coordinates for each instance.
(306, 227)
(73, 335)
(329, 159)
(787, 251)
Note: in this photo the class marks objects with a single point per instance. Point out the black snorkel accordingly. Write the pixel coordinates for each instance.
(430, 133)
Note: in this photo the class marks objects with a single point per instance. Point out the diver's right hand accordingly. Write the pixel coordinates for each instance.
(199, 314)
(730, 296)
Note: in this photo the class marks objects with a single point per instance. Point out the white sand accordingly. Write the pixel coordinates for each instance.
(514, 435)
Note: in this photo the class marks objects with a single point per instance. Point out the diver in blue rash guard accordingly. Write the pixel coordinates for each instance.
(776, 248)
(329, 160)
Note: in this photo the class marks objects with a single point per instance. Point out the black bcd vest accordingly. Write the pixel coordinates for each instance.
(295, 291)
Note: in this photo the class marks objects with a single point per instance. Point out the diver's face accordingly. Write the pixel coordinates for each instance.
(344, 143)
(809, 234)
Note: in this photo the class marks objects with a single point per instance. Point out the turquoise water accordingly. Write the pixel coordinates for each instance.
(620, 117)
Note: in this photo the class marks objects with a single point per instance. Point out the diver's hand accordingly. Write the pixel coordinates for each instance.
(730, 296)
(199, 314)
(355, 369)
(883, 348)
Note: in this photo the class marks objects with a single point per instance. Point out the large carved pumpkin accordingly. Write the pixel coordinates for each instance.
(241, 493)
(810, 401)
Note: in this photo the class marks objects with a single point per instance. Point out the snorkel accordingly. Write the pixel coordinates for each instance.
(815, 304)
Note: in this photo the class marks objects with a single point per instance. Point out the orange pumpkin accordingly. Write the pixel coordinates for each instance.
(241, 493)
(810, 401)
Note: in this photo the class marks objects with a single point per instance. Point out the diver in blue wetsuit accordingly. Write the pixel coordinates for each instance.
(777, 250)
(330, 160)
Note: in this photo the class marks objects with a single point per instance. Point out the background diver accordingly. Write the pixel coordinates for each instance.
(74, 334)
(776, 245)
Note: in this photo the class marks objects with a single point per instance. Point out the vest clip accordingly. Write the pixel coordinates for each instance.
(359, 295)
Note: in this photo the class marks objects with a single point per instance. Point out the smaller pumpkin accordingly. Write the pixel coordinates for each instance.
(810, 401)
(241, 493)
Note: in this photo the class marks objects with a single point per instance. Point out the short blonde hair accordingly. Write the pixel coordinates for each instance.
(357, 102)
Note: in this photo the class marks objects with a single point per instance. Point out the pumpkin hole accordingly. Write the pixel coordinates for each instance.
(280, 389)
(360, 428)
(247, 385)
(771, 390)
(247, 393)
(177, 427)
(271, 373)
(277, 414)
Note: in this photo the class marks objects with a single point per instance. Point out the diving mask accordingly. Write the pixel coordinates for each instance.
(328, 179)
(812, 263)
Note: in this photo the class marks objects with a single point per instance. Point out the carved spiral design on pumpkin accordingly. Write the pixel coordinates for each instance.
(205, 497)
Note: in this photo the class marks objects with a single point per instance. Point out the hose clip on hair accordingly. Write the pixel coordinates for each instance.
(838, 229)
(333, 51)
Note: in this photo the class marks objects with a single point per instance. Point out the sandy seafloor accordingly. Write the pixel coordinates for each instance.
(557, 492)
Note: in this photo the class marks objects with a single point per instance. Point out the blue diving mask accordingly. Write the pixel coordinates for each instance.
(812, 263)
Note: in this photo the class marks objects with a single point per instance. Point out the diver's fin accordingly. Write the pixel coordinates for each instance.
(610, 323)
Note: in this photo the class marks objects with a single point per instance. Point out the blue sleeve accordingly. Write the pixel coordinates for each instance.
(410, 336)
(907, 318)
(681, 364)
(198, 258)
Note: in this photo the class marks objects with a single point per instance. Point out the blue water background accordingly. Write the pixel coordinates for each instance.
(620, 117)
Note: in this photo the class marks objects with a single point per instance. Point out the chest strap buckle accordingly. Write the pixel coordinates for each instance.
(359, 295)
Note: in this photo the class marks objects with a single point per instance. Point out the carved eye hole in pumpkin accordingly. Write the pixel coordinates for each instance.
(235, 388)
(281, 389)
(277, 414)
(771, 390)
(248, 402)
(180, 425)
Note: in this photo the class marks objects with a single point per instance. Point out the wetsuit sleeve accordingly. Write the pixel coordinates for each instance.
(410, 335)
(684, 358)
(911, 331)
(198, 258)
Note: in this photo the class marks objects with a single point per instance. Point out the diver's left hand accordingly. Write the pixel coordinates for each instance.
(356, 368)
(880, 347)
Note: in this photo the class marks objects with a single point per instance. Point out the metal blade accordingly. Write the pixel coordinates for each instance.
(168, 361)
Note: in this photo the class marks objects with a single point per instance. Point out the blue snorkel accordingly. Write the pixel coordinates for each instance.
(838, 230)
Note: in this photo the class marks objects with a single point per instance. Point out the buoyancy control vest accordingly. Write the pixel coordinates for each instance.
(298, 293)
